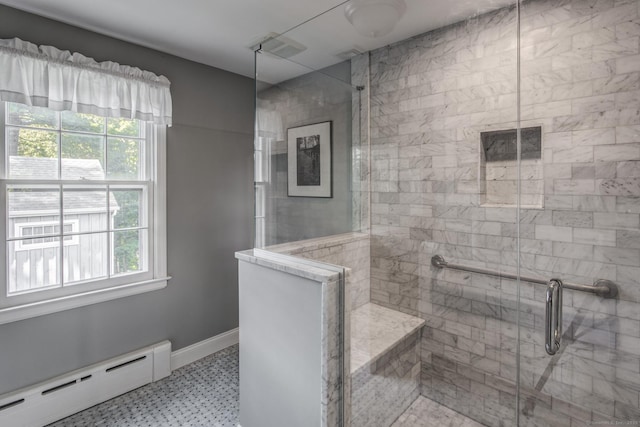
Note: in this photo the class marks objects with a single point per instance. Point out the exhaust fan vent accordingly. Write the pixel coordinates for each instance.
(349, 53)
(279, 46)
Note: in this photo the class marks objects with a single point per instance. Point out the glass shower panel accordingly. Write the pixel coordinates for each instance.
(444, 183)
(303, 149)
(580, 86)
(311, 164)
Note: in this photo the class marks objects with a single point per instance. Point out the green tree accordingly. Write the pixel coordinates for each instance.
(37, 143)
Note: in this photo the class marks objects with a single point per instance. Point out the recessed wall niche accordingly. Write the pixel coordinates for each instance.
(499, 172)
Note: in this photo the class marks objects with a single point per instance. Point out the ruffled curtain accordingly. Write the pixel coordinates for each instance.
(44, 76)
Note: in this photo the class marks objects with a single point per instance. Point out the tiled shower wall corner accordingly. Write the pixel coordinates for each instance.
(431, 96)
(360, 152)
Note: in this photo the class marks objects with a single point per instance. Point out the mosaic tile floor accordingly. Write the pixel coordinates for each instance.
(202, 394)
(205, 394)
(427, 413)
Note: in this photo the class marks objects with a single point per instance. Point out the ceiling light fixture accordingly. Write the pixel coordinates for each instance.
(374, 18)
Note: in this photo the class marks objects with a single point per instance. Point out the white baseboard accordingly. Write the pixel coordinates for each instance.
(75, 391)
(186, 355)
(67, 394)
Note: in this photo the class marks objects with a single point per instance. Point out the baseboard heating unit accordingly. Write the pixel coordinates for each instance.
(49, 401)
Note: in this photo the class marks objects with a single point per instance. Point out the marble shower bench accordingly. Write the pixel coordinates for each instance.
(385, 364)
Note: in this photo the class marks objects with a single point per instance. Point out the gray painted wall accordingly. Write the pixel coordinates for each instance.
(209, 218)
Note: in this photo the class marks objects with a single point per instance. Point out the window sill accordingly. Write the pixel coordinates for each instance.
(25, 311)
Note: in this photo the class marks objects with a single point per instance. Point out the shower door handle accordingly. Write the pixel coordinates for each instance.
(553, 316)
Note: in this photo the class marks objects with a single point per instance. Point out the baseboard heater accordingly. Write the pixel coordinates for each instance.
(52, 400)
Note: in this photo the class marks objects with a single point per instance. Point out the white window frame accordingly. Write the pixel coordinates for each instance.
(262, 175)
(41, 302)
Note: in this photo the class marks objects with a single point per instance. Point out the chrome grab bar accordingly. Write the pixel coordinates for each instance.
(601, 287)
(553, 317)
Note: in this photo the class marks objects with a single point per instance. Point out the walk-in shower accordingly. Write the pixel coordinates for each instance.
(481, 187)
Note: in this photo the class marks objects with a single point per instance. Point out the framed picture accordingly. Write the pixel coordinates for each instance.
(309, 160)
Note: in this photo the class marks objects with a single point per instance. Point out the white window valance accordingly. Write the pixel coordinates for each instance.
(44, 76)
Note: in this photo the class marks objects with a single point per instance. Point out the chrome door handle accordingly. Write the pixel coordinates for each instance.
(553, 316)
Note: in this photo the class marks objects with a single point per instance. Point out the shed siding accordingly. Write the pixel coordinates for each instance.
(84, 259)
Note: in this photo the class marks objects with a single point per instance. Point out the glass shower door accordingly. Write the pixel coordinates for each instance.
(580, 76)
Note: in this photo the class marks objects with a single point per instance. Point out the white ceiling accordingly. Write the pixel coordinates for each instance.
(219, 32)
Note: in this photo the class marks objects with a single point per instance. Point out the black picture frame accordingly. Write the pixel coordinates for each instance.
(309, 160)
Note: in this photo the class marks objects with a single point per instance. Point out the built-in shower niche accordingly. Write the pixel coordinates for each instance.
(499, 168)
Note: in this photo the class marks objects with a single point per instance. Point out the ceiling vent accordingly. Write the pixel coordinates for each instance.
(279, 46)
(349, 53)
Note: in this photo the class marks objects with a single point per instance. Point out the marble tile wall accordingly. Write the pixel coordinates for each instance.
(431, 96)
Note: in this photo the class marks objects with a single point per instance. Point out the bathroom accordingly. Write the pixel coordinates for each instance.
(507, 142)
(442, 201)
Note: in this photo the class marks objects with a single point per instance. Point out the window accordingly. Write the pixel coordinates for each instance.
(40, 235)
(261, 173)
(82, 196)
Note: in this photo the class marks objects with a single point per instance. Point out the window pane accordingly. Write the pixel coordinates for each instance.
(82, 156)
(33, 154)
(82, 122)
(261, 168)
(85, 258)
(124, 127)
(23, 115)
(87, 206)
(129, 249)
(31, 266)
(123, 159)
(35, 205)
(129, 208)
